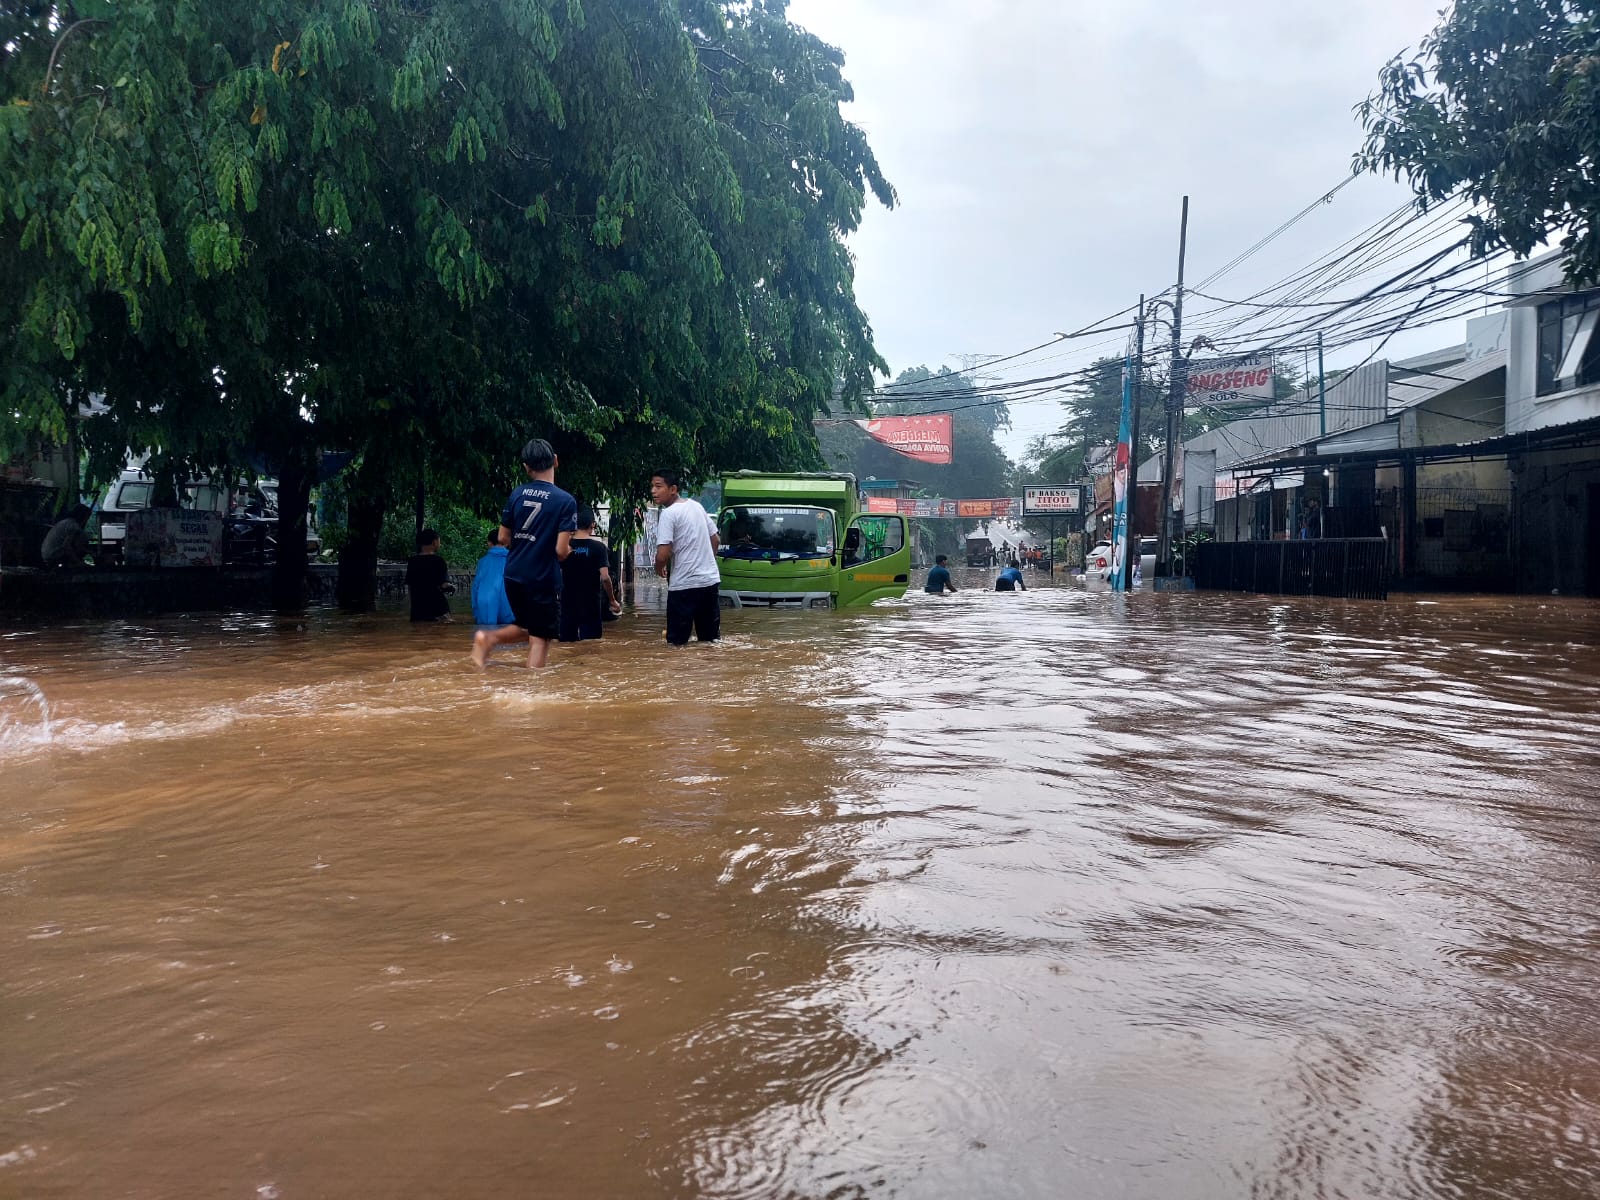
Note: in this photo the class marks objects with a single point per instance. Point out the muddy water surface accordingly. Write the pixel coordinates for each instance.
(1044, 895)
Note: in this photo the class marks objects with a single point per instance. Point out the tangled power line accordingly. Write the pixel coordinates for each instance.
(1403, 271)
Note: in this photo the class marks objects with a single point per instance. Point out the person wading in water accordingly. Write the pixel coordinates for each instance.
(537, 525)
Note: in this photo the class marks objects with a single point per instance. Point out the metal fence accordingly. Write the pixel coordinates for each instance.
(1350, 568)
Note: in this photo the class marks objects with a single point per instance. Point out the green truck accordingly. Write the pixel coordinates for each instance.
(801, 541)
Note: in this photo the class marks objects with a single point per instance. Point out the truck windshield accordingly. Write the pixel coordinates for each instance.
(772, 532)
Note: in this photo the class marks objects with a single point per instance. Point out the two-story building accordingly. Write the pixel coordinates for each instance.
(1553, 427)
(1478, 462)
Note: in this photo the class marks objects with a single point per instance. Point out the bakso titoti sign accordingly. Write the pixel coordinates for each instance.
(1051, 501)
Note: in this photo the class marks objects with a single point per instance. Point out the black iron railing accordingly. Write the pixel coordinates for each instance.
(1352, 568)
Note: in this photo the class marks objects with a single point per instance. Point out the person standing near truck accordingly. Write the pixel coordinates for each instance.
(939, 578)
(537, 527)
(686, 557)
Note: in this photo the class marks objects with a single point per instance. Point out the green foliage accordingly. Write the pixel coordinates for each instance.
(424, 233)
(1501, 103)
(461, 533)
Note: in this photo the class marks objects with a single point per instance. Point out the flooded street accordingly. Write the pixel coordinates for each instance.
(1054, 895)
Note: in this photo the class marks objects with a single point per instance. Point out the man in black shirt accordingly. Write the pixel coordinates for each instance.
(428, 580)
(586, 591)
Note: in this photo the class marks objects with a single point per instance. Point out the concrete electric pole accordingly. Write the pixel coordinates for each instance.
(1175, 395)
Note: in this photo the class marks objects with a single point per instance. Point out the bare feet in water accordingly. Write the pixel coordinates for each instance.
(481, 645)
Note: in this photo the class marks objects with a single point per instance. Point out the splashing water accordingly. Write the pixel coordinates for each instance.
(17, 695)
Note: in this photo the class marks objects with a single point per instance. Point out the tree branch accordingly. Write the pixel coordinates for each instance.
(50, 67)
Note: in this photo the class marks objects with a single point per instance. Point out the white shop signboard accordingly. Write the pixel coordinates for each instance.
(1051, 501)
(173, 537)
(1230, 380)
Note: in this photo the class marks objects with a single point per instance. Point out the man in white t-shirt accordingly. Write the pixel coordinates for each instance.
(686, 557)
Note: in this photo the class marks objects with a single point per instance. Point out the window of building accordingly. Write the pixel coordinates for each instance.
(1569, 353)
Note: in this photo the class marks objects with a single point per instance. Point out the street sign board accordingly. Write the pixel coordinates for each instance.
(1226, 380)
(1051, 501)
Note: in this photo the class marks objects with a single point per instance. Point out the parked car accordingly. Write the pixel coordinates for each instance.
(1098, 561)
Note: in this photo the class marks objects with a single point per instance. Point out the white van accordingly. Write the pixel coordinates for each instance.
(134, 490)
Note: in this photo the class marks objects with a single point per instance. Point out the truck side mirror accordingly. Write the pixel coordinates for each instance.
(852, 539)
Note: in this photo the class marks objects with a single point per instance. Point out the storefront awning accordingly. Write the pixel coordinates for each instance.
(1555, 437)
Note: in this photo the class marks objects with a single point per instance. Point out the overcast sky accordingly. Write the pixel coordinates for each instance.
(1041, 148)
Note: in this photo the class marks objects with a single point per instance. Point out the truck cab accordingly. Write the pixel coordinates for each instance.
(800, 540)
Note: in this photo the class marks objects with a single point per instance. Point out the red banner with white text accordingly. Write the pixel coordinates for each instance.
(1005, 506)
(929, 439)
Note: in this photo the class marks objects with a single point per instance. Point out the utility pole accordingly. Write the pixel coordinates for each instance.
(1133, 447)
(1175, 396)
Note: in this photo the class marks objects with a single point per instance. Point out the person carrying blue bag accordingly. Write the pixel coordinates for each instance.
(489, 603)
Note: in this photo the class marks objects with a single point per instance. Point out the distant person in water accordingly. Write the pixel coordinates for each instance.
(428, 580)
(586, 591)
(537, 526)
(1010, 580)
(66, 544)
(939, 578)
(489, 603)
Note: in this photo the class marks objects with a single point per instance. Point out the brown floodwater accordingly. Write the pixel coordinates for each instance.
(1056, 895)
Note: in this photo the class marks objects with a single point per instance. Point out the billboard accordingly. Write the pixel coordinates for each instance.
(1051, 501)
(1226, 380)
(929, 439)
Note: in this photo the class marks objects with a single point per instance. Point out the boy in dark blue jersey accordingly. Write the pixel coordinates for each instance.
(537, 527)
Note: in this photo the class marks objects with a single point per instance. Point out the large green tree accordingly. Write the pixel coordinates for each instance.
(1093, 422)
(422, 232)
(1501, 103)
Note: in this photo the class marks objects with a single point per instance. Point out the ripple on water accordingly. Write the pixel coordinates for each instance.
(532, 1090)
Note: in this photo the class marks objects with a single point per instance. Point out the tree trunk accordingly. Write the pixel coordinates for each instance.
(358, 557)
(289, 572)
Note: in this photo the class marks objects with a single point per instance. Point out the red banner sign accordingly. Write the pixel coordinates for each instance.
(930, 507)
(929, 439)
(911, 508)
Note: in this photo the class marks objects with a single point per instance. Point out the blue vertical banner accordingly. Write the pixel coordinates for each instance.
(1121, 482)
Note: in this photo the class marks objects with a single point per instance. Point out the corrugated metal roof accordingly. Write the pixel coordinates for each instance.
(1408, 393)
